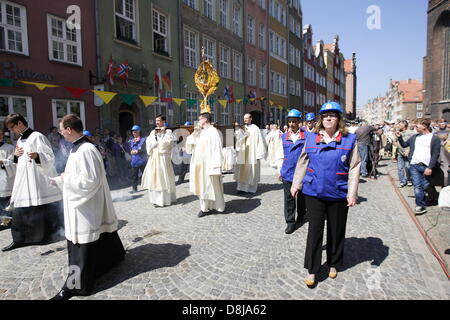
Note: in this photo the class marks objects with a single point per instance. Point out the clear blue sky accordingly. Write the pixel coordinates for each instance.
(395, 51)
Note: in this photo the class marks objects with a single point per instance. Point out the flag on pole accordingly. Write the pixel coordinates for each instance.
(167, 82)
(158, 81)
(110, 71)
(122, 72)
(229, 94)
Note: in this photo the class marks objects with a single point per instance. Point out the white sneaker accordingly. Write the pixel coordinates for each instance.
(410, 184)
(420, 210)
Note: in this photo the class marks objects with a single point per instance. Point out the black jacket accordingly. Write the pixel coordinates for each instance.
(435, 149)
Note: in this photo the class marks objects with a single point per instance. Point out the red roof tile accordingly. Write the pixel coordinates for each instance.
(411, 89)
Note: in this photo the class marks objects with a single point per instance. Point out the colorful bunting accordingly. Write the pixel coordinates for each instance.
(178, 101)
(148, 100)
(76, 92)
(6, 82)
(223, 103)
(191, 102)
(128, 98)
(40, 86)
(106, 96)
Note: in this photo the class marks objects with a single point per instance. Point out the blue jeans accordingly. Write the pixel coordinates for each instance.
(420, 182)
(364, 154)
(403, 169)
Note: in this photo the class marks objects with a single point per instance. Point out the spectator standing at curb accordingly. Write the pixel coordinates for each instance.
(402, 155)
(423, 157)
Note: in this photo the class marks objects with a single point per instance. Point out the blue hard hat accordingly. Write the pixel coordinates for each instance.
(331, 106)
(87, 133)
(188, 123)
(310, 116)
(136, 128)
(294, 113)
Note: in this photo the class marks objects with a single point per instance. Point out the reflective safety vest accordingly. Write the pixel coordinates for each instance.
(292, 152)
(327, 173)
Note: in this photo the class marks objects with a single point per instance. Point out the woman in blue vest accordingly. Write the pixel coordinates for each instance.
(327, 173)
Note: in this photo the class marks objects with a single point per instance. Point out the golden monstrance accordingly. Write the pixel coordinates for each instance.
(206, 80)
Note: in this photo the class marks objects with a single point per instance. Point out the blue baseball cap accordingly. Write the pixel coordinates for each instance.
(188, 123)
(87, 133)
(136, 128)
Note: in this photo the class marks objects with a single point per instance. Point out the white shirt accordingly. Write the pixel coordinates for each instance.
(422, 149)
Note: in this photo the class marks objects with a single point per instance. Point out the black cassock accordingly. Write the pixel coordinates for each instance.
(92, 260)
(89, 261)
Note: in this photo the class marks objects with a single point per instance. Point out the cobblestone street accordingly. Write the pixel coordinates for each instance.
(242, 253)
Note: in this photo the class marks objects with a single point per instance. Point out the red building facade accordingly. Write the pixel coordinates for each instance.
(43, 44)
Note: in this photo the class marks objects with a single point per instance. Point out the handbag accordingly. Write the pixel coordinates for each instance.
(127, 155)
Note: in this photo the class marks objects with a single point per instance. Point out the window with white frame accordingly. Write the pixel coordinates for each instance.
(237, 66)
(419, 115)
(191, 3)
(251, 71)
(238, 114)
(210, 50)
(291, 54)
(225, 115)
(278, 83)
(224, 67)
(161, 40)
(190, 48)
(292, 86)
(16, 104)
(64, 43)
(250, 29)
(298, 60)
(126, 20)
(262, 4)
(237, 21)
(192, 109)
(277, 44)
(65, 107)
(262, 76)
(208, 7)
(223, 13)
(419, 107)
(262, 36)
(298, 88)
(13, 28)
(291, 24)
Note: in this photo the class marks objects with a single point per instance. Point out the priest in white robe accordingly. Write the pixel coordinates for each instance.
(93, 244)
(273, 141)
(7, 174)
(158, 177)
(253, 149)
(205, 174)
(36, 203)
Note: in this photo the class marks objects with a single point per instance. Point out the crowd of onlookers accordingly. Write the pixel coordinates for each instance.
(421, 149)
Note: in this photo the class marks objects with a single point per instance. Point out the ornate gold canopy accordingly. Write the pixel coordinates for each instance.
(206, 80)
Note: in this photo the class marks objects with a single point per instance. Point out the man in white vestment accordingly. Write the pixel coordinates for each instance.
(158, 177)
(205, 175)
(252, 150)
(36, 204)
(273, 141)
(93, 245)
(7, 174)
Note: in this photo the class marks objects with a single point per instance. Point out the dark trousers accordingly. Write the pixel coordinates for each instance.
(135, 176)
(290, 204)
(335, 213)
(37, 224)
(183, 170)
(89, 261)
